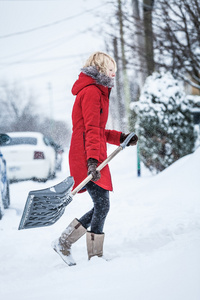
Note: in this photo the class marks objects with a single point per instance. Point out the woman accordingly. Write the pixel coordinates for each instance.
(88, 150)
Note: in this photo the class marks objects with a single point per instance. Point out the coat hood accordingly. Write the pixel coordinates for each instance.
(91, 76)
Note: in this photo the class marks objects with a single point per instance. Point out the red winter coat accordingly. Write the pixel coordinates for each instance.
(89, 136)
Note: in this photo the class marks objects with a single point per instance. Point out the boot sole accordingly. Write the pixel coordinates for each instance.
(67, 259)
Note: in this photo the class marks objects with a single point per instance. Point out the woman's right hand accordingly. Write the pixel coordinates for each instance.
(92, 165)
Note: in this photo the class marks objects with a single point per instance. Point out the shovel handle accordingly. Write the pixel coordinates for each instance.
(104, 163)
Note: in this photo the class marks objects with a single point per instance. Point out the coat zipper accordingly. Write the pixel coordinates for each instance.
(84, 140)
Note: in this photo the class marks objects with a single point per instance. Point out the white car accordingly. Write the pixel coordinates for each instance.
(29, 156)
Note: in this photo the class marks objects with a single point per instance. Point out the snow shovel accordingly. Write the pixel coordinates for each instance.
(44, 207)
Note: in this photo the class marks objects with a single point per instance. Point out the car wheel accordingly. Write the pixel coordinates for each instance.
(53, 175)
(59, 168)
(1, 207)
(1, 214)
(44, 179)
(6, 200)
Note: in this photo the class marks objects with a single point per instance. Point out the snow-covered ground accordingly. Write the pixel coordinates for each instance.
(152, 233)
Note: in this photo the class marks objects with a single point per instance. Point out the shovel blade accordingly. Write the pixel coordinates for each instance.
(45, 207)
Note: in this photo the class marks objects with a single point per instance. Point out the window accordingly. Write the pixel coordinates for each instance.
(22, 141)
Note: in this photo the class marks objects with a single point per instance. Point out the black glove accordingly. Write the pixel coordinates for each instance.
(92, 165)
(132, 142)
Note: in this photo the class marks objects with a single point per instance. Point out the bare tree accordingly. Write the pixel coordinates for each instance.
(17, 107)
(119, 104)
(163, 34)
(18, 113)
(115, 46)
(139, 41)
(57, 130)
(177, 38)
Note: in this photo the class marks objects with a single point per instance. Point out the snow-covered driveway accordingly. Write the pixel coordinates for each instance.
(152, 235)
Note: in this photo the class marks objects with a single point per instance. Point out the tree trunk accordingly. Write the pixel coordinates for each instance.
(140, 43)
(148, 34)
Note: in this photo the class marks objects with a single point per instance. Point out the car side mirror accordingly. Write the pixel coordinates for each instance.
(4, 139)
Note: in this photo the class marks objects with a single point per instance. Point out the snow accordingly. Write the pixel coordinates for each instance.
(152, 235)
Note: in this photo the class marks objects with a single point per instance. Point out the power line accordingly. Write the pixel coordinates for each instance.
(43, 59)
(48, 46)
(44, 74)
(50, 24)
(52, 43)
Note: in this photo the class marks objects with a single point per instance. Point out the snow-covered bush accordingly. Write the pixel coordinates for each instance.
(164, 122)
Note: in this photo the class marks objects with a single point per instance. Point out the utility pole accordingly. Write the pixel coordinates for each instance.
(120, 104)
(138, 161)
(124, 63)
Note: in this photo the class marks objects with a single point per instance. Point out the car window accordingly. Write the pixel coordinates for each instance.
(46, 141)
(22, 141)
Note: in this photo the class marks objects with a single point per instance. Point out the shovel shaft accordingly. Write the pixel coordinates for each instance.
(99, 168)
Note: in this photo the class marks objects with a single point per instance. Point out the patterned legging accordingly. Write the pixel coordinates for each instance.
(95, 218)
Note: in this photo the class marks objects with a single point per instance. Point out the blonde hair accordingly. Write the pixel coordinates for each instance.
(100, 60)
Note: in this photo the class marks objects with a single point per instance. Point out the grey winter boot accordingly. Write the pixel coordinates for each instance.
(94, 244)
(69, 236)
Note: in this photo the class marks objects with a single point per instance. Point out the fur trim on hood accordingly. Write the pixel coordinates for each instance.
(100, 78)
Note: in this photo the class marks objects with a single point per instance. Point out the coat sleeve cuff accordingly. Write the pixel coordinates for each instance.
(113, 137)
